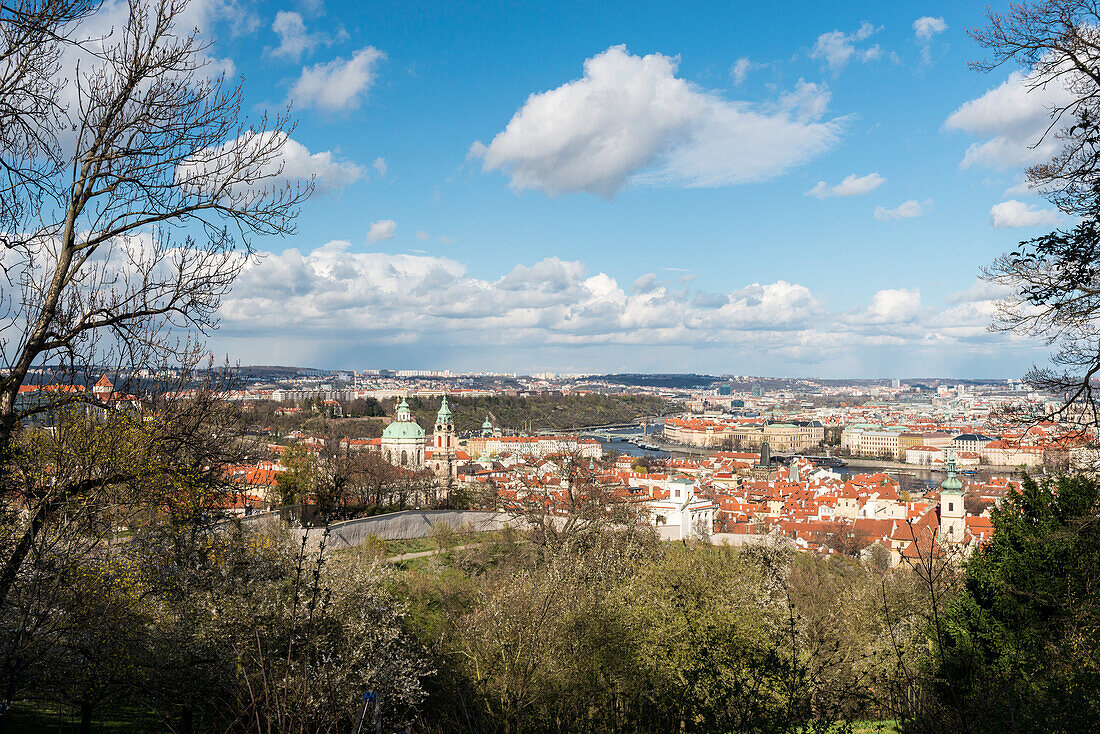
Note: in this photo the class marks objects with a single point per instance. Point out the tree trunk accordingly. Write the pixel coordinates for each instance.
(187, 720)
(23, 547)
(85, 718)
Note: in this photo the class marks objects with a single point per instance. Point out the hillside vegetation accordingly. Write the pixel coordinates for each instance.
(553, 412)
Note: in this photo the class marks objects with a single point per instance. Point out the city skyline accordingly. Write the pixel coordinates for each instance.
(595, 189)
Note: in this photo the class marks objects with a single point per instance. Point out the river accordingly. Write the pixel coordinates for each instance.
(912, 479)
(916, 480)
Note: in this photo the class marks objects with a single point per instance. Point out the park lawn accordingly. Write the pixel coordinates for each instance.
(884, 726)
(29, 717)
(417, 545)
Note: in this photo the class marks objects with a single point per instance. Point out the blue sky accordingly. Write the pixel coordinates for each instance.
(649, 208)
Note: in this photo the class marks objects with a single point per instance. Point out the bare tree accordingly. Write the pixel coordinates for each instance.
(1055, 279)
(33, 34)
(1058, 44)
(576, 505)
(135, 201)
(146, 213)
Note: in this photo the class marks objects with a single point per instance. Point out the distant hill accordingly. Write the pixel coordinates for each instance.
(276, 372)
(683, 381)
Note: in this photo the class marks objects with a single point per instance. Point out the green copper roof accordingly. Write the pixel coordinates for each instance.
(403, 429)
(444, 414)
(486, 424)
(952, 483)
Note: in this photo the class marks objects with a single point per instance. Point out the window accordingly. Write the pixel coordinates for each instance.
(950, 506)
(677, 494)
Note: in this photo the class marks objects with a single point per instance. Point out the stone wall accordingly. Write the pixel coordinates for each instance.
(407, 524)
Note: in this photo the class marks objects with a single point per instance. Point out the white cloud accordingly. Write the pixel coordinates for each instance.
(552, 301)
(423, 236)
(380, 166)
(645, 283)
(852, 185)
(1014, 213)
(836, 48)
(335, 301)
(103, 31)
(294, 39)
(928, 26)
(383, 229)
(905, 210)
(981, 290)
(1021, 187)
(629, 118)
(924, 29)
(330, 174)
(741, 69)
(1013, 118)
(894, 305)
(338, 84)
(297, 164)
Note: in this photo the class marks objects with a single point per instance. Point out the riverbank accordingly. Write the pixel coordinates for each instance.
(902, 466)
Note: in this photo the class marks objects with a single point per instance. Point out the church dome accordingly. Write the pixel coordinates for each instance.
(403, 430)
(404, 427)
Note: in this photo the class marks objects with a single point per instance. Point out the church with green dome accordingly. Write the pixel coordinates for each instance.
(405, 444)
(403, 440)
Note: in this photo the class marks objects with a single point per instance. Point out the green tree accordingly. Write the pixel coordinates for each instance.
(1020, 646)
(297, 484)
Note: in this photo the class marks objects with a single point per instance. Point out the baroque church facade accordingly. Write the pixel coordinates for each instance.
(404, 443)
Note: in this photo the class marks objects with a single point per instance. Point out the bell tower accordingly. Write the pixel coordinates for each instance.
(443, 441)
(952, 515)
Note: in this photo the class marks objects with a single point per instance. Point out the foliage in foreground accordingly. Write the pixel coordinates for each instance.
(1021, 645)
(622, 633)
(225, 630)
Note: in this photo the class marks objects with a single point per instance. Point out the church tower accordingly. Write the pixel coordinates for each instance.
(764, 471)
(952, 515)
(443, 441)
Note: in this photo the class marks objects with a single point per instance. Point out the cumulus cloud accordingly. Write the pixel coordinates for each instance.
(905, 210)
(630, 118)
(375, 300)
(103, 30)
(551, 301)
(293, 164)
(295, 39)
(1013, 213)
(893, 305)
(928, 26)
(383, 229)
(1013, 119)
(340, 84)
(380, 166)
(836, 48)
(645, 283)
(852, 185)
